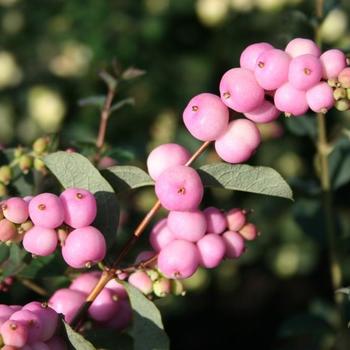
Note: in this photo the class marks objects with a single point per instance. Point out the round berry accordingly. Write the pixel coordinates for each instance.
(83, 247)
(8, 231)
(79, 207)
(240, 91)
(160, 235)
(343, 78)
(236, 218)
(290, 100)
(117, 289)
(305, 71)
(104, 307)
(206, 117)
(179, 188)
(6, 311)
(249, 231)
(187, 225)
(56, 343)
(14, 333)
(141, 281)
(239, 142)
(251, 53)
(86, 282)
(40, 241)
(301, 46)
(15, 209)
(46, 210)
(320, 98)
(31, 321)
(123, 318)
(271, 69)
(211, 250)
(333, 62)
(162, 287)
(265, 113)
(179, 259)
(37, 346)
(216, 220)
(234, 243)
(165, 156)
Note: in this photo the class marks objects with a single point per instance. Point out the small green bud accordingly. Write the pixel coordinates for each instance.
(342, 105)
(333, 82)
(40, 145)
(5, 174)
(25, 163)
(39, 165)
(26, 226)
(177, 287)
(339, 93)
(18, 152)
(162, 287)
(152, 274)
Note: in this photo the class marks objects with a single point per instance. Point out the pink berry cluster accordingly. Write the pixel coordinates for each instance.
(186, 240)
(41, 222)
(110, 309)
(31, 327)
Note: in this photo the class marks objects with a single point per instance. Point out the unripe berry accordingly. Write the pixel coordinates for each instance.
(216, 220)
(56, 343)
(211, 250)
(179, 259)
(85, 282)
(15, 209)
(344, 78)
(239, 142)
(83, 247)
(31, 321)
(141, 281)
(160, 235)
(153, 274)
(79, 207)
(271, 69)
(40, 241)
(123, 318)
(40, 145)
(8, 231)
(305, 71)
(162, 287)
(46, 210)
(177, 288)
(234, 243)
(342, 105)
(165, 156)
(265, 113)
(187, 225)
(320, 98)
(301, 46)
(104, 307)
(249, 231)
(40, 166)
(251, 53)
(339, 93)
(67, 302)
(14, 333)
(25, 163)
(240, 91)
(206, 117)
(290, 100)
(333, 62)
(5, 174)
(179, 188)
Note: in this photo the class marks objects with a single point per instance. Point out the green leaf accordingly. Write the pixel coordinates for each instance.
(132, 73)
(120, 104)
(74, 170)
(16, 261)
(127, 177)
(246, 178)
(97, 101)
(147, 329)
(302, 126)
(77, 340)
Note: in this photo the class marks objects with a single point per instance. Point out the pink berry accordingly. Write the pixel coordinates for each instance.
(187, 225)
(320, 98)
(265, 113)
(86, 282)
(117, 289)
(271, 69)
(31, 321)
(104, 307)
(83, 247)
(39, 346)
(211, 250)
(301, 46)
(236, 218)
(249, 232)
(206, 117)
(165, 156)
(160, 235)
(179, 188)
(123, 318)
(239, 142)
(14, 333)
(216, 220)
(6, 311)
(290, 100)
(56, 343)
(333, 62)
(179, 259)
(240, 91)
(344, 78)
(40, 241)
(8, 231)
(79, 207)
(305, 71)
(46, 210)
(234, 243)
(67, 302)
(251, 53)
(141, 281)
(27, 198)
(15, 209)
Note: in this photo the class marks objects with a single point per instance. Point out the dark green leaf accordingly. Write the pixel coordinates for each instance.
(16, 261)
(74, 170)
(302, 126)
(127, 177)
(77, 340)
(97, 101)
(4, 252)
(120, 104)
(147, 329)
(120, 154)
(246, 178)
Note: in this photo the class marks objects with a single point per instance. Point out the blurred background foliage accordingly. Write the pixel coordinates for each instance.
(279, 295)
